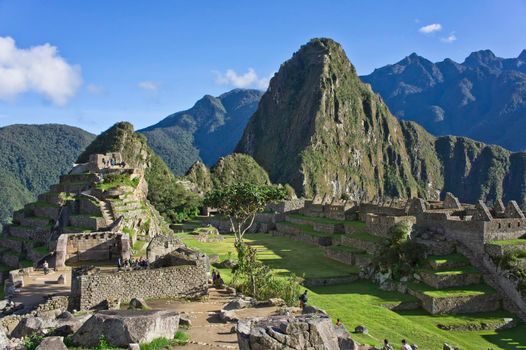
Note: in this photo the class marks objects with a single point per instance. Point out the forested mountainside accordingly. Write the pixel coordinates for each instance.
(31, 159)
(206, 132)
(322, 130)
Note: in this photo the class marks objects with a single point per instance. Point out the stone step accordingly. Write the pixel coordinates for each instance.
(94, 223)
(76, 229)
(44, 209)
(447, 262)
(35, 221)
(437, 247)
(29, 232)
(348, 255)
(458, 300)
(451, 278)
(14, 244)
(306, 234)
(501, 247)
(363, 241)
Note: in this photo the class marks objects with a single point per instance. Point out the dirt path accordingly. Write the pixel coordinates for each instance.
(208, 331)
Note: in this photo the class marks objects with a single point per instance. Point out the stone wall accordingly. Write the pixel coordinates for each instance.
(286, 206)
(381, 224)
(95, 246)
(183, 281)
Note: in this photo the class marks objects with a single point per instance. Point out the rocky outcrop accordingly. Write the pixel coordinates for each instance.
(292, 333)
(122, 327)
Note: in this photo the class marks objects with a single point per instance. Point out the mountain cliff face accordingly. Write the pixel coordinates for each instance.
(207, 131)
(484, 97)
(31, 159)
(322, 130)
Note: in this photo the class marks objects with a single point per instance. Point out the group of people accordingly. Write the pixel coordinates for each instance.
(112, 162)
(133, 264)
(217, 281)
(405, 346)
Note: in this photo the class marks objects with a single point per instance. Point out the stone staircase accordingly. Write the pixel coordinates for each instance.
(451, 285)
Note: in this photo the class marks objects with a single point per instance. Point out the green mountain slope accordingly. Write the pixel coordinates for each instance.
(322, 130)
(31, 159)
(207, 131)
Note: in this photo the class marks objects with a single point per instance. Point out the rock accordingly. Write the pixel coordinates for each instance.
(134, 346)
(109, 304)
(61, 279)
(122, 327)
(228, 316)
(3, 304)
(67, 324)
(276, 302)
(239, 303)
(361, 329)
(29, 325)
(447, 347)
(214, 258)
(231, 290)
(138, 304)
(184, 321)
(288, 311)
(52, 343)
(4, 341)
(309, 309)
(302, 332)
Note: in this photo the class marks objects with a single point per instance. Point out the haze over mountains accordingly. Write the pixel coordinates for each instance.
(483, 98)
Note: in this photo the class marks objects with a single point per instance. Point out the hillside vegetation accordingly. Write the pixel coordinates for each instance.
(31, 159)
(322, 130)
(206, 132)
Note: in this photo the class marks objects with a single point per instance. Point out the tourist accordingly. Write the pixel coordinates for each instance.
(387, 346)
(45, 266)
(405, 346)
(119, 263)
(339, 323)
(213, 276)
(303, 299)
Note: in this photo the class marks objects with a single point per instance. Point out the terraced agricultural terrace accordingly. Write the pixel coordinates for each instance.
(449, 297)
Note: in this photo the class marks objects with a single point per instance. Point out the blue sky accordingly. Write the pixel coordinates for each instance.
(92, 63)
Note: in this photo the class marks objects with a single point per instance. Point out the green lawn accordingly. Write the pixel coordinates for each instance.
(453, 271)
(363, 303)
(444, 259)
(347, 249)
(517, 241)
(282, 254)
(473, 290)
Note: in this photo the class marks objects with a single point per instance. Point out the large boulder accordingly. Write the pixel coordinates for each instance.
(239, 303)
(29, 325)
(122, 327)
(311, 331)
(52, 343)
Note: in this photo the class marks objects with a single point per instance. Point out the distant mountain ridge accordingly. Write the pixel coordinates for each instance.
(31, 159)
(322, 130)
(483, 98)
(206, 132)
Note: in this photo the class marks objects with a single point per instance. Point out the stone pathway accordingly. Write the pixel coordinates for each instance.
(37, 286)
(208, 331)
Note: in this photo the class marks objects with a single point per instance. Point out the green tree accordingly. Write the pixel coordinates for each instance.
(240, 202)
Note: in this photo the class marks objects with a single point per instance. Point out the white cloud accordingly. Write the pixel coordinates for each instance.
(95, 89)
(248, 79)
(430, 28)
(148, 85)
(39, 69)
(449, 39)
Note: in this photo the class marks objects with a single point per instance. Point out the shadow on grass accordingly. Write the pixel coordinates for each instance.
(514, 338)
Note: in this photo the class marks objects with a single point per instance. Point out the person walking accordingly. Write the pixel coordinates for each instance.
(303, 299)
(405, 346)
(45, 266)
(387, 346)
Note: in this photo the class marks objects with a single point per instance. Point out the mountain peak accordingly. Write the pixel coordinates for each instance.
(522, 55)
(479, 58)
